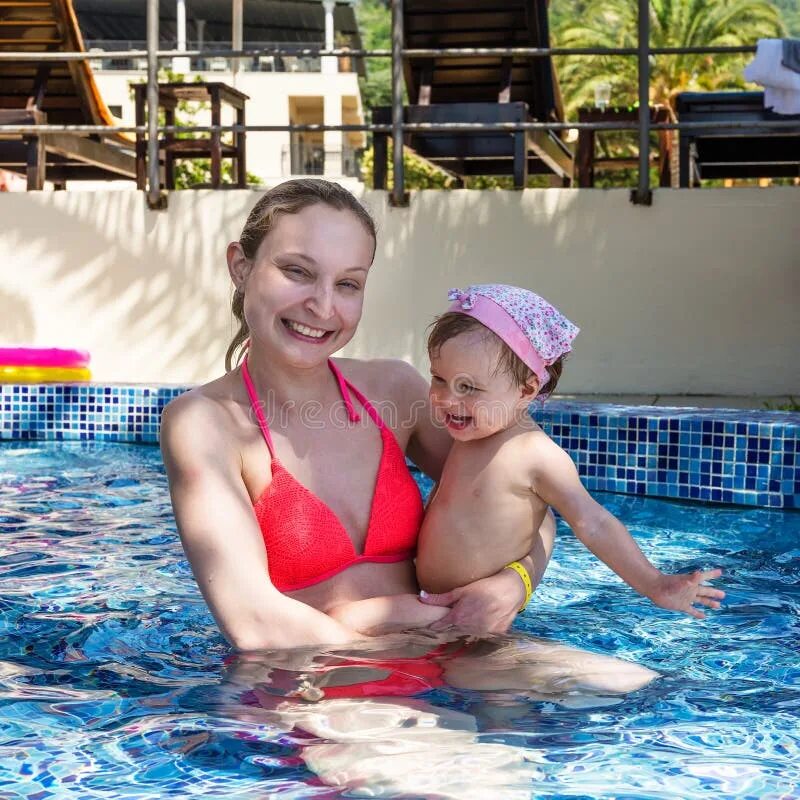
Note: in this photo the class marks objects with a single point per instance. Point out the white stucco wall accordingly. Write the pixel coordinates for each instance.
(268, 104)
(698, 294)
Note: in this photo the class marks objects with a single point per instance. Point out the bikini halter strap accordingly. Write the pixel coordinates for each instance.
(345, 387)
(353, 415)
(255, 405)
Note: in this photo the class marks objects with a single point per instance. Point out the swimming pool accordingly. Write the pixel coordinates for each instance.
(111, 668)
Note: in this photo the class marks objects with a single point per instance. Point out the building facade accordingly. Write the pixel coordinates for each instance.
(282, 90)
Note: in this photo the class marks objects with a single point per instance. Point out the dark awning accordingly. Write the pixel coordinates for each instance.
(289, 21)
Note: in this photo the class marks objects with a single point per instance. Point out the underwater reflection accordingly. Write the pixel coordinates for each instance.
(358, 726)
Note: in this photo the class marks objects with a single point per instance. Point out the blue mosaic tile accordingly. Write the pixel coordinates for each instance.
(743, 457)
(62, 412)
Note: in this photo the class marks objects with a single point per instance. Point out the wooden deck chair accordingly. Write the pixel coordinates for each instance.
(480, 89)
(754, 151)
(54, 92)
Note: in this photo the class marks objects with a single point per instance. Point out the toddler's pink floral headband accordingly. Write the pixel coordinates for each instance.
(536, 331)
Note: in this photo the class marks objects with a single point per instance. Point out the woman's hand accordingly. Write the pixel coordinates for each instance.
(485, 606)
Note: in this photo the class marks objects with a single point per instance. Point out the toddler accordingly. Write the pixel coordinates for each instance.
(495, 350)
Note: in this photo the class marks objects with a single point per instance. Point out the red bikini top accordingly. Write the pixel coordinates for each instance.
(306, 542)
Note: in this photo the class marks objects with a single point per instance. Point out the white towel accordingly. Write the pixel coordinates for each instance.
(767, 67)
(782, 101)
(781, 85)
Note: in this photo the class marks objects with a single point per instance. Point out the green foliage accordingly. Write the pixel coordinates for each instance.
(418, 173)
(607, 23)
(375, 23)
(505, 182)
(421, 174)
(194, 173)
(673, 23)
(790, 11)
(790, 405)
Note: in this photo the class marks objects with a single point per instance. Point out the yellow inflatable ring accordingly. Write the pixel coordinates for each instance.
(43, 374)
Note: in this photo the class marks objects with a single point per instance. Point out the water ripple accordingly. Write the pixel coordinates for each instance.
(112, 681)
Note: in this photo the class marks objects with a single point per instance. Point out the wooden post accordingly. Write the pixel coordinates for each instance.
(520, 159)
(642, 195)
(154, 199)
(141, 143)
(380, 160)
(520, 148)
(585, 160)
(241, 163)
(684, 166)
(399, 196)
(36, 163)
(664, 149)
(216, 139)
(169, 158)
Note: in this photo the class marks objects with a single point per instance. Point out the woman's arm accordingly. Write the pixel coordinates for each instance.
(380, 615)
(222, 540)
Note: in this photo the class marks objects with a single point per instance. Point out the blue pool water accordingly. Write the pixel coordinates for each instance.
(112, 681)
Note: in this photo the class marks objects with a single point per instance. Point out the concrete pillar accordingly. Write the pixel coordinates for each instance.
(237, 34)
(329, 64)
(181, 65)
(333, 139)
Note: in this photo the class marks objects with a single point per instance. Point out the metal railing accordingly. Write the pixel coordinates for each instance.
(106, 56)
(641, 195)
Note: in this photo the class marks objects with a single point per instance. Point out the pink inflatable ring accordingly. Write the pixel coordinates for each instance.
(43, 357)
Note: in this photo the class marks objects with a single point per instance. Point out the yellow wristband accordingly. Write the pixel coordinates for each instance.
(526, 579)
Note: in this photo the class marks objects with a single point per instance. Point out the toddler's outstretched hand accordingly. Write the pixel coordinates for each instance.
(681, 592)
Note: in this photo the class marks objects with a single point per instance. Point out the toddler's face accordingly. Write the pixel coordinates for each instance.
(469, 395)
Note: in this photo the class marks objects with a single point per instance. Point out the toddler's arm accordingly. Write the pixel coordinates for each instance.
(556, 481)
(379, 615)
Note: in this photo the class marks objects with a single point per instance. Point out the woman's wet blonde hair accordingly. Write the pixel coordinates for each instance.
(290, 197)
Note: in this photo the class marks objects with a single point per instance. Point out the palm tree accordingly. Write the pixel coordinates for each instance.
(673, 23)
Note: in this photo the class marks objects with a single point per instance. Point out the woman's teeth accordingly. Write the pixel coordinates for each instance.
(314, 333)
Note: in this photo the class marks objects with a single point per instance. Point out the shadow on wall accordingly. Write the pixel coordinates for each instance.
(524, 238)
(673, 299)
(18, 328)
(136, 283)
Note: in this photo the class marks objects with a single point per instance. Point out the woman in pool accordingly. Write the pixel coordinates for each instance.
(290, 492)
(299, 270)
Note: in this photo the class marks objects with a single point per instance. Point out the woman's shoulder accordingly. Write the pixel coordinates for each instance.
(204, 411)
(383, 379)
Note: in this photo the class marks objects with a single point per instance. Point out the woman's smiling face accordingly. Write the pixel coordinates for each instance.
(305, 289)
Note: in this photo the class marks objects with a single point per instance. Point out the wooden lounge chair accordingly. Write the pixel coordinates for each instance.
(53, 92)
(751, 152)
(480, 89)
